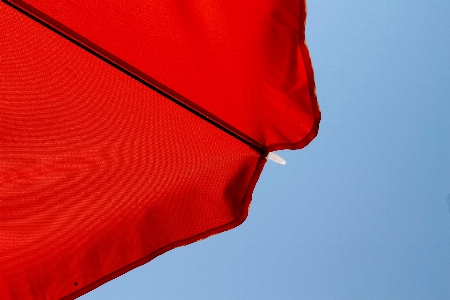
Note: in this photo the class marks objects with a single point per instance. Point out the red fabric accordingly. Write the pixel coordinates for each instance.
(244, 62)
(98, 172)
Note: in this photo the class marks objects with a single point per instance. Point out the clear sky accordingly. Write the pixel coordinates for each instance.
(360, 213)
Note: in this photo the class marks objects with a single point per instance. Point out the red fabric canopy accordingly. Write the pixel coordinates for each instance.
(128, 128)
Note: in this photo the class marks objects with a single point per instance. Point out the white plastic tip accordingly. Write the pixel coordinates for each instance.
(278, 159)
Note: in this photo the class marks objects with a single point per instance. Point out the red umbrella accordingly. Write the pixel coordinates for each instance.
(129, 128)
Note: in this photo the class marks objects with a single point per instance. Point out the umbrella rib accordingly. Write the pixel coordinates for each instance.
(133, 72)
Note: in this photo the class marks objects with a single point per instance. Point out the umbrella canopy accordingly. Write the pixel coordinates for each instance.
(131, 128)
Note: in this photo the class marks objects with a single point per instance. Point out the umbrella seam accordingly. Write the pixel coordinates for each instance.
(133, 72)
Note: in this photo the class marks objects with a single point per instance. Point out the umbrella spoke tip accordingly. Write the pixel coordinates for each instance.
(276, 158)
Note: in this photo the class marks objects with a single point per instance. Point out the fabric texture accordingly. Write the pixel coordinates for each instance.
(123, 136)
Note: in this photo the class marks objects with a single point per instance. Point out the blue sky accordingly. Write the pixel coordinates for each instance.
(360, 213)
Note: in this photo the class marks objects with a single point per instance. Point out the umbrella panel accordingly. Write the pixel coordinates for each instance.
(98, 173)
